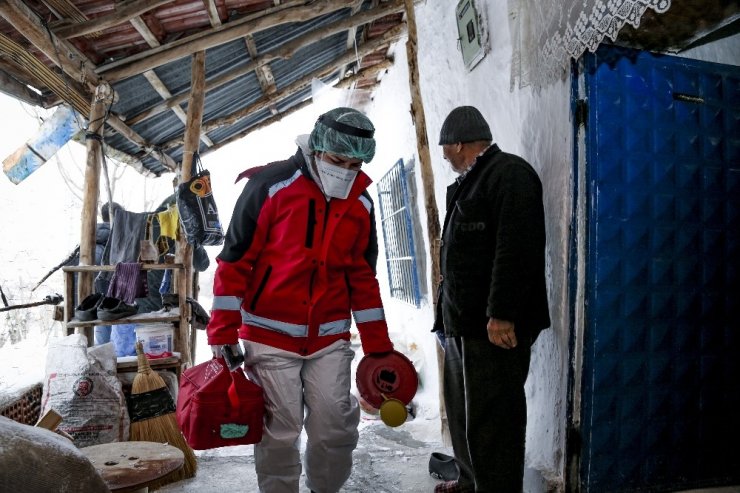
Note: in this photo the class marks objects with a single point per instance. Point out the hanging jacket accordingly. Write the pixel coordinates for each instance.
(294, 265)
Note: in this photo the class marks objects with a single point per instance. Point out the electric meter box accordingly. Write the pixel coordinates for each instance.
(469, 33)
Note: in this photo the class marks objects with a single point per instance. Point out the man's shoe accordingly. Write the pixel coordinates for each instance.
(453, 487)
(113, 309)
(87, 309)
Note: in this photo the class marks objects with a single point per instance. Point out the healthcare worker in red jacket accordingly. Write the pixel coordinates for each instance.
(298, 261)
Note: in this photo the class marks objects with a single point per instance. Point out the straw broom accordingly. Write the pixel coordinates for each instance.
(153, 417)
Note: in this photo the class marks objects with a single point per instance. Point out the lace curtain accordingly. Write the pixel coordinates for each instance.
(547, 34)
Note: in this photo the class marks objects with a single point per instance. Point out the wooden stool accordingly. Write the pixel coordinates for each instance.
(128, 467)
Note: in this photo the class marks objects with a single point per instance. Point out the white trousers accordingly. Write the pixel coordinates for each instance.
(309, 390)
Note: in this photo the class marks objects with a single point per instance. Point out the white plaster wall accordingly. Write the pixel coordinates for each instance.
(532, 124)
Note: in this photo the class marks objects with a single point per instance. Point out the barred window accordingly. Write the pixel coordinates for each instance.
(400, 219)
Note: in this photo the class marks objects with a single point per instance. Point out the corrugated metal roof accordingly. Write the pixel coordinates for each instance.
(178, 23)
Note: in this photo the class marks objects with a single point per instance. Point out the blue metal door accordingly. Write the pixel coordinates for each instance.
(660, 387)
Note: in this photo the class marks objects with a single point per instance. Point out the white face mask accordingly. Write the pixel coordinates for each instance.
(336, 181)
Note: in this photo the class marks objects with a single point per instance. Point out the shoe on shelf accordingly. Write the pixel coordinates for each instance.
(170, 300)
(453, 487)
(113, 309)
(87, 309)
(442, 466)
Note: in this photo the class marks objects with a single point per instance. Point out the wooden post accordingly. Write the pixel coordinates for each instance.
(101, 101)
(184, 250)
(427, 178)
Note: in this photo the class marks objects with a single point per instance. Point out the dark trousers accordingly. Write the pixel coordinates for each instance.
(487, 412)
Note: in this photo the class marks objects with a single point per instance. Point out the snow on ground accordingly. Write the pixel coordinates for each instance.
(18, 368)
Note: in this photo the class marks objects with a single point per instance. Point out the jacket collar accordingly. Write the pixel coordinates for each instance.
(480, 161)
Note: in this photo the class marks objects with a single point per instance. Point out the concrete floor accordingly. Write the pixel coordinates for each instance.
(387, 460)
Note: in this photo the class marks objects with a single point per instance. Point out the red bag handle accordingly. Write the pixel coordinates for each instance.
(233, 398)
(231, 392)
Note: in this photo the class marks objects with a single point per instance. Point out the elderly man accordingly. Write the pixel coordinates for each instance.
(492, 302)
(299, 255)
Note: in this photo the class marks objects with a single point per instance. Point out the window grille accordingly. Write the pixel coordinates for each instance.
(396, 215)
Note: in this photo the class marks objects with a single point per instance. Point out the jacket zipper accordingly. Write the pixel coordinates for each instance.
(311, 334)
(261, 287)
(311, 226)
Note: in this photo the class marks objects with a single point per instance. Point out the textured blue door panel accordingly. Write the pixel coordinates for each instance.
(660, 405)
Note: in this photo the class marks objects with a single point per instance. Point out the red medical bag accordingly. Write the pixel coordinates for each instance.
(219, 408)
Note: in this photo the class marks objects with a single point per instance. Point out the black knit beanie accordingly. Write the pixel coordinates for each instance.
(464, 124)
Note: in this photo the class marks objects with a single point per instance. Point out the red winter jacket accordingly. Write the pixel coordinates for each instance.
(293, 265)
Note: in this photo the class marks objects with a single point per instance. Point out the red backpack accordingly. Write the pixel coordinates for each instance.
(219, 408)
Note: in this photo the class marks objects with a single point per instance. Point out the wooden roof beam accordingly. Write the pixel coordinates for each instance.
(147, 147)
(15, 82)
(296, 86)
(365, 73)
(74, 64)
(68, 91)
(286, 51)
(289, 49)
(10, 86)
(36, 82)
(201, 34)
(286, 92)
(212, 11)
(263, 72)
(162, 90)
(154, 79)
(65, 9)
(146, 33)
(123, 13)
(228, 32)
(118, 155)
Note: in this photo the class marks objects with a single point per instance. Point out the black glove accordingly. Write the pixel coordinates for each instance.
(231, 353)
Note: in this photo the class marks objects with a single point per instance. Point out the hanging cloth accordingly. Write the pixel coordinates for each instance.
(148, 251)
(125, 236)
(124, 242)
(128, 283)
(169, 222)
(166, 285)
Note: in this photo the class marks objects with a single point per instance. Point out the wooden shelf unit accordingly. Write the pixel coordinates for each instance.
(177, 315)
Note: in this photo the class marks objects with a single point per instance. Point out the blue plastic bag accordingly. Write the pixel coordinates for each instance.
(123, 338)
